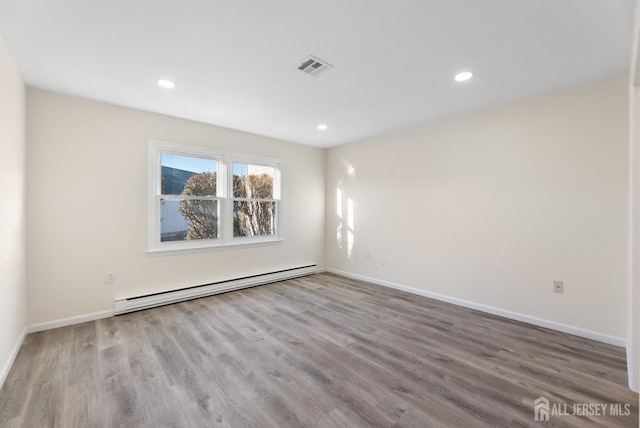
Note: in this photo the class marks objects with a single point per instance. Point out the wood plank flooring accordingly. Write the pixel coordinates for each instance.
(319, 351)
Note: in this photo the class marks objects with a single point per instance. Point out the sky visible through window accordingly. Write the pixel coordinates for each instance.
(198, 165)
(239, 168)
(189, 163)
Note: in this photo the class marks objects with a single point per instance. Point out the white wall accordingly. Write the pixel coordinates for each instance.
(87, 183)
(12, 217)
(492, 207)
(633, 350)
(633, 315)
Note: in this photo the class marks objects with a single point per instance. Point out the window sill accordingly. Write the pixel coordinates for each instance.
(158, 252)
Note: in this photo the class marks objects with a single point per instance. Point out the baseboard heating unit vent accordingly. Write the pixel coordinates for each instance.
(132, 304)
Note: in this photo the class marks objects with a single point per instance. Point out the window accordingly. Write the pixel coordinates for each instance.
(254, 206)
(202, 198)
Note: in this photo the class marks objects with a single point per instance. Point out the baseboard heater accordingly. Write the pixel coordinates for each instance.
(138, 303)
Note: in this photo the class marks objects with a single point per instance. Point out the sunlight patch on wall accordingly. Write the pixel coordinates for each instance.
(345, 215)
(350, 231)
(339, 213)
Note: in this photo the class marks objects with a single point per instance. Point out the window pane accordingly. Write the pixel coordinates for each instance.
(252, 181)
(188, 175)
(188, 219)
(254, 218)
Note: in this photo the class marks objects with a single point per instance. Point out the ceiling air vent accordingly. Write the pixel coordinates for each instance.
(313, 66)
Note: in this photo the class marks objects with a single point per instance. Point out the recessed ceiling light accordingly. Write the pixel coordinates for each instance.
(166, 84)
(322, 127)
(465, 75)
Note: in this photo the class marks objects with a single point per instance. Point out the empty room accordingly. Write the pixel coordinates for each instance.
(319, 214)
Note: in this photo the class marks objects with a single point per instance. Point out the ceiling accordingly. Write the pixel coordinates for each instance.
(235, 62)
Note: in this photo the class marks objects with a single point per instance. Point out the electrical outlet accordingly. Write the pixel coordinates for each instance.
(382, 263)
(558, 287)
(367, 256)
(111, 277)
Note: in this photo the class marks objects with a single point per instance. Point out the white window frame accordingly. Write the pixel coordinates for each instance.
(255, 160)
(224, 187)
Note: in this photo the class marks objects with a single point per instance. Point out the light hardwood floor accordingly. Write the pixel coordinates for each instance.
(319, 351)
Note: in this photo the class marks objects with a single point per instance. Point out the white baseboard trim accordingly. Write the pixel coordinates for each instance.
(540, 322)
(12, 357)
(69, 321)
